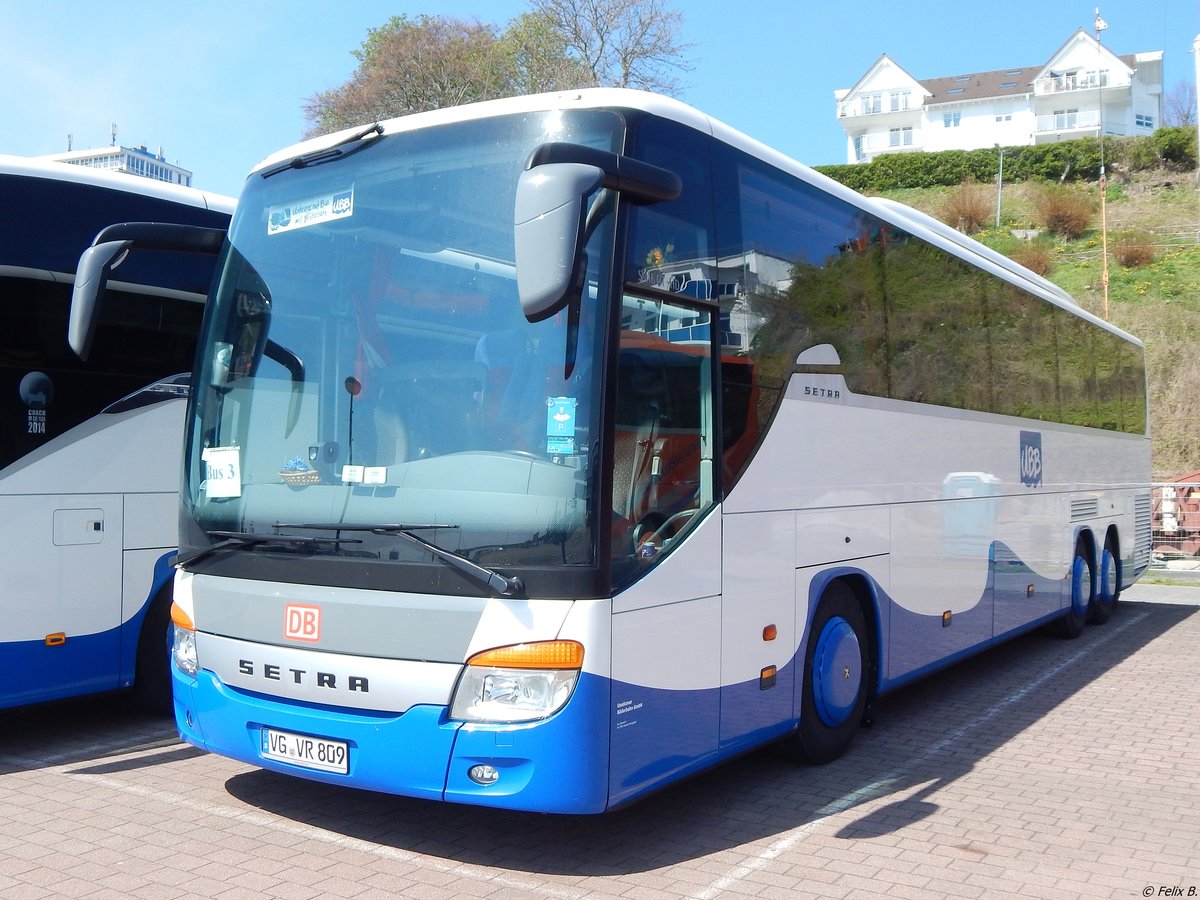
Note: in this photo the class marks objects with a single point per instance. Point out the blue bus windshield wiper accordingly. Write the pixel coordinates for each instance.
(504, 585)
(240, 539)
(328, 153)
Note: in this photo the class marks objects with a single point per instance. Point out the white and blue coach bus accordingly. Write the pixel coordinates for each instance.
(90, 452)
(545, 451)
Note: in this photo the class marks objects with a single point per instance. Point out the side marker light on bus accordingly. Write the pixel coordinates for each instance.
(183, 647)
(57, 639)
(770, 633)
(519, 683)
(767, 678)
(947, 617)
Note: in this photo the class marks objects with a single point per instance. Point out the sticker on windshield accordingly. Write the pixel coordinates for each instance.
(312, 211)
(560, 424)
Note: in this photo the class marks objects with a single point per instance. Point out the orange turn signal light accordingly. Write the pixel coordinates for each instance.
(180, 618)
(537, 655)
(57, 639)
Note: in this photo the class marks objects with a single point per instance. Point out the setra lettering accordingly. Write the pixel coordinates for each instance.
(358, 684)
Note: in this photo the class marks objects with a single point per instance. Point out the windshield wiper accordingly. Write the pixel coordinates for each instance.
(327, 154)
(249, 539)
(504, 585)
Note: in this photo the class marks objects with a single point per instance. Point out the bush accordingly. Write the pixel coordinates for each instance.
(1065, 161)
(1133, 249)
(1132, 153)
(1064, 209)
(1176, 147)
(1036, 256)
(968, 207)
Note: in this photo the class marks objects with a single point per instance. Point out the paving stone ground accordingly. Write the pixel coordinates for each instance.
(1044, 768)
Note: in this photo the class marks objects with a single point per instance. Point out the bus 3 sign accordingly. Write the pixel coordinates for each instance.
(1031, 458)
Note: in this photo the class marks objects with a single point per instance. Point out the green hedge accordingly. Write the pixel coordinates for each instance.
(1077, 160)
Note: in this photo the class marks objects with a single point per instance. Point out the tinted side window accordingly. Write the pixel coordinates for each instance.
(937, 327)
(63, 218)
(46, 390)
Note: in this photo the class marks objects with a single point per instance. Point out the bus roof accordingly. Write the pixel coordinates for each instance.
(33, 167)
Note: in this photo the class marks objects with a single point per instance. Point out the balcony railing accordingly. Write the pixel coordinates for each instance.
(1069, 121)
(1080, 81)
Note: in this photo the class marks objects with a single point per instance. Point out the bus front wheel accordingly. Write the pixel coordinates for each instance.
(836, 677)
(152, 679)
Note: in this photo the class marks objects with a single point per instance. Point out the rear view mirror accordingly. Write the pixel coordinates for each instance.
(548, 231)
(91, 278)
(550, 221)
(109, 250)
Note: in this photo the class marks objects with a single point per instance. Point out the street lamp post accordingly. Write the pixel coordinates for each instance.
(1100, 26)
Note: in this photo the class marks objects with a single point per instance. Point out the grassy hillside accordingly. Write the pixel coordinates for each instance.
(1149, 214)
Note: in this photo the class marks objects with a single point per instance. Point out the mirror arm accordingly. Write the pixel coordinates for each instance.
(640, 181)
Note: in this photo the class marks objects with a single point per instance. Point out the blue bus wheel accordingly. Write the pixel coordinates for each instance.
(152, 679)
(1083, 589)
(1108, 591)
(837, 677)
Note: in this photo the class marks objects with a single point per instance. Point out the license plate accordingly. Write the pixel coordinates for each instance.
(321, 754)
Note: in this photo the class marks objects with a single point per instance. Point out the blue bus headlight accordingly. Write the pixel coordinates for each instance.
(522, 683)
(183, 645)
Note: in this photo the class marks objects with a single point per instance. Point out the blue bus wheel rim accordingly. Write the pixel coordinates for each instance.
(1081, 586)
(1108, 577)
(836, 672)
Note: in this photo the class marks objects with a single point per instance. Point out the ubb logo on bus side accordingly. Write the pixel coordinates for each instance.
(302, 623)
(1031, 458)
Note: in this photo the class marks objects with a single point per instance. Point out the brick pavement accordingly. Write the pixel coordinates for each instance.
(1041, 769)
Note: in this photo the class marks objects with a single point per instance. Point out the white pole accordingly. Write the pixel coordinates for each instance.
(1196, 61)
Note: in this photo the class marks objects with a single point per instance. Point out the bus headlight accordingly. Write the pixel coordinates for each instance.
(183, 646)
(521, 683)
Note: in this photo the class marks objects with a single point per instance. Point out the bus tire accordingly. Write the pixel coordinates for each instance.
(152, 678)
(1108, 591)
(1083, 590)
(836, 677)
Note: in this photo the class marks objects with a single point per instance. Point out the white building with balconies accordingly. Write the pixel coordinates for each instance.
(1084, 90)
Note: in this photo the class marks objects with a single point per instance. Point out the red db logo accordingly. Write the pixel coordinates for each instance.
(302, 623)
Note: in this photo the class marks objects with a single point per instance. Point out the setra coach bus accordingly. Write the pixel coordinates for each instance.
(548, 450)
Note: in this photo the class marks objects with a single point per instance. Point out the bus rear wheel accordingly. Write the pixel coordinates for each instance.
(1108, 591)
(836, 678)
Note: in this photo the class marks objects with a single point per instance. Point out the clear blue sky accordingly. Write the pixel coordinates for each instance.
(219, 84)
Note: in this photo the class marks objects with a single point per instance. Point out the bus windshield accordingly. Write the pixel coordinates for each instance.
(367, 373)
